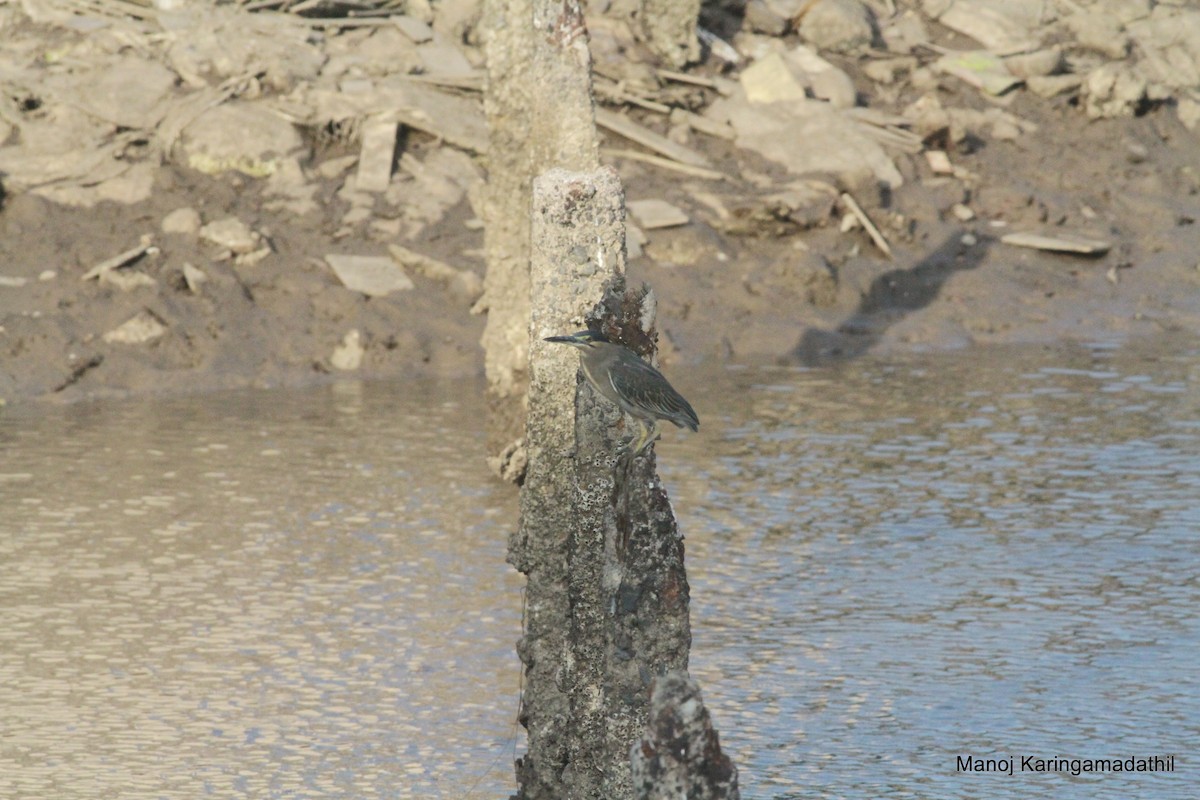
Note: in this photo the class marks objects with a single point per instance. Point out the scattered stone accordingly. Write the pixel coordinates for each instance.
(962, 213)
(144, 247)
(1059, 243)
(127, 279)
(47, 275)
(348, 356)
(1188, 110)
(1096, 30)
(981, 69)
(232, 234)
(939, 162)
(416, 30)
(761, 18)
(13, 281)
(905, 32)
(1001, 27)
(1113, 90)
(655, 214)
(832, 142)
(841, 26)
(240, 136)
(888, 70)
(193, 277)
(1037, 63)
(185, 221)
(374, 276)
(826, 81)
(462, 282)
(1053, 85)
(1168, 46)
(129, 92)
(376, 157)
(771, 79)
(144, 327)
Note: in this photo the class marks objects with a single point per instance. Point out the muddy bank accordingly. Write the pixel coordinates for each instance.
(754, 257)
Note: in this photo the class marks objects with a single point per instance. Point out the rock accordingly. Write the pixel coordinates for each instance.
(348, 356)
(1037, 63)
(904, 33)
(130, 92)
(232, 234)
(144, 327)
(416, 30)
(1098, 31)
(185, 221)
(1053, 85)
(376, 156)
(1168, 43)
(1126, 11)
(374, 276)
(771, 79)
(127, 279)
(762, 19)
(1113, 90)
(193, 277)
(888, 69)
(939, 162)
(464, 283)
(826, 81)
(1060, 243)
(980, 69)
(240, 136)
(842, 26)
(654, 214)
(832, 142)
(1010, 26)
(1188, 111)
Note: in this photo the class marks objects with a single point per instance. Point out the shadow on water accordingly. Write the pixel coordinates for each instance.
(892, 296)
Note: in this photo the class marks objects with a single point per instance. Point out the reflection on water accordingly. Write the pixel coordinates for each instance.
(893, 563)
(991, 554)
(273, 594)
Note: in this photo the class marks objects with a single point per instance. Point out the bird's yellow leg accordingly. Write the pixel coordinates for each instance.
(646, 436)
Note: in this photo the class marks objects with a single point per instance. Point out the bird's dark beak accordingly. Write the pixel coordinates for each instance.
(563, 339)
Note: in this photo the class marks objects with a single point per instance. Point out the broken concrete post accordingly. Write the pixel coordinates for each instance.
(680, 755)
(539, 107)
(607, 595)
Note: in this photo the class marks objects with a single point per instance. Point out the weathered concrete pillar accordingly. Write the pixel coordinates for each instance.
(680, 754)
(607, 596)
(538, 102)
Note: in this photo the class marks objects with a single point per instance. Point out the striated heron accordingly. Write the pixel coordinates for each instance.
(639, 389)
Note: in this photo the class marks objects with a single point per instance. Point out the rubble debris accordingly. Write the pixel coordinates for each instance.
(981, 69)
(647, 138)
(374, 276)
(145, 246)
(139, 329)
(193, 277)
(1113, 90)
(184, 221)
(241, 136)
(232, 234)
(839, 26)
(348, 356)
(376, 157)
(654, 214)
(463, 282)
(862, 217)
(1059, 243)
(1002, 28)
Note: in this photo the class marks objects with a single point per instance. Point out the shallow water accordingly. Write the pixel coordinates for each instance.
(893, 563)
